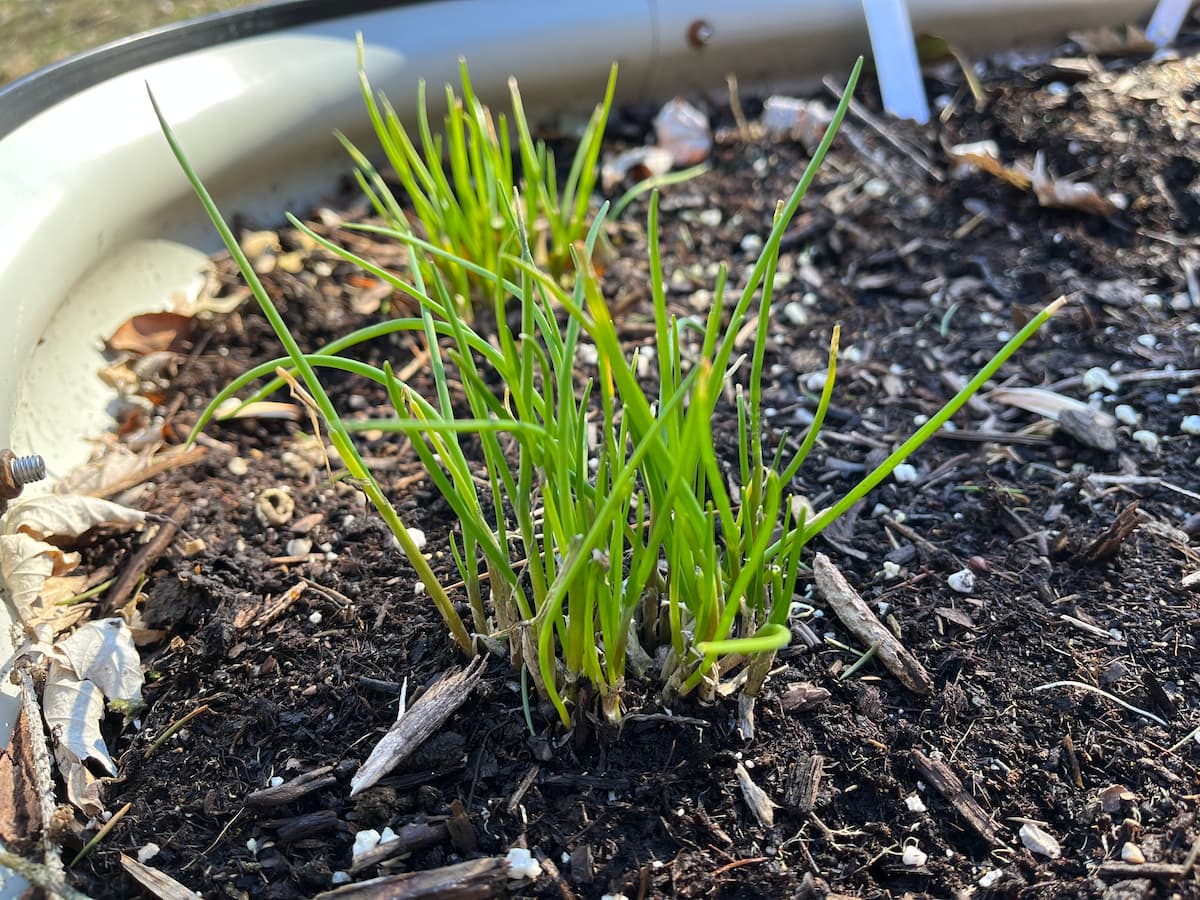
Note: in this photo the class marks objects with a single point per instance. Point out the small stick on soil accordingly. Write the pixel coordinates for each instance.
(142, 561)
(174, 727)
(157, 883)
(519, 794)
(946, 783)
(861, 112)
(421, 720)
(1154, 480)
(476, 879)
(862, 623)
(1122, 871)
(298, 787)
(165, 463)
(410, 838)
(101, 834)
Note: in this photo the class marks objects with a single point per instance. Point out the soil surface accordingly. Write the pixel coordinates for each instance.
(298, 651)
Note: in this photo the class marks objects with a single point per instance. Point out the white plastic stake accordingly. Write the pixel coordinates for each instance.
(1166, 21)
(896, 59)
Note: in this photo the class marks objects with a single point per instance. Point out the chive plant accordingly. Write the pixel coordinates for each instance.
(599, 537)
(460, 182)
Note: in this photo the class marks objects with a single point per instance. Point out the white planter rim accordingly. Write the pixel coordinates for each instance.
(24, 98)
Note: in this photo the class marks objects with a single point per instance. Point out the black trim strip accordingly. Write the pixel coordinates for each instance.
(24, 98)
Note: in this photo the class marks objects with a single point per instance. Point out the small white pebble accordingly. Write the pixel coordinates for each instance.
(148, 852)
(877, 188)
(315, 617)
(238, 466)
(364, 841)
(1004, 336)
(1152, 302)
(1190, 425)
(299, 547)
(1038, 841)
(851, 354)
(1057, 89)
(815, 381)
(1099, 379)
(890, 570)
(881, 509)
(920, 419)
(990, 877)
(795, 313)
(565, 858)
(276, 780)
(387, 835)
(751, 243)
(915, 804)
(1180, 302)
(1173, 399)
(252, 845)
(586, 354)
(900, 516)
(339, 878)
(882, 607)
(1126, 414)
(418, 537)
(1147, 439)
(1147, 340)
(521, 864)
(709, 218)
(904, 473)
(613, 897)
(913, 856)
(1132, 853)
(962, 581)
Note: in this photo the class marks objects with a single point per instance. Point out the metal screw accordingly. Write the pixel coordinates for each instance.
(27, 469)
(16, 472)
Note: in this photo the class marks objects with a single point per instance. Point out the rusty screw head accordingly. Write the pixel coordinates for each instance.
(699, 33)
(18, 471)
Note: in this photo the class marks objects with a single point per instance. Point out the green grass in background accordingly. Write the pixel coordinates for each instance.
(35, 33)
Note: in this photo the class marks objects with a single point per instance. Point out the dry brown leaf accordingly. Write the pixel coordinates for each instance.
(25, 564)
(116, 464)
(1063, 194)
(103, 653)
(152, 331)
(66, 516)
(985, 156)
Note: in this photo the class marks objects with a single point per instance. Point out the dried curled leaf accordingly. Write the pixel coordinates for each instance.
(103, 653)
(152, 331)
(25, 564)
(66, 516)
(74, 708)
(97, 662)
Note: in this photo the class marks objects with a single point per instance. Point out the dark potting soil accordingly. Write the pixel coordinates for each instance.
(925, 272)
